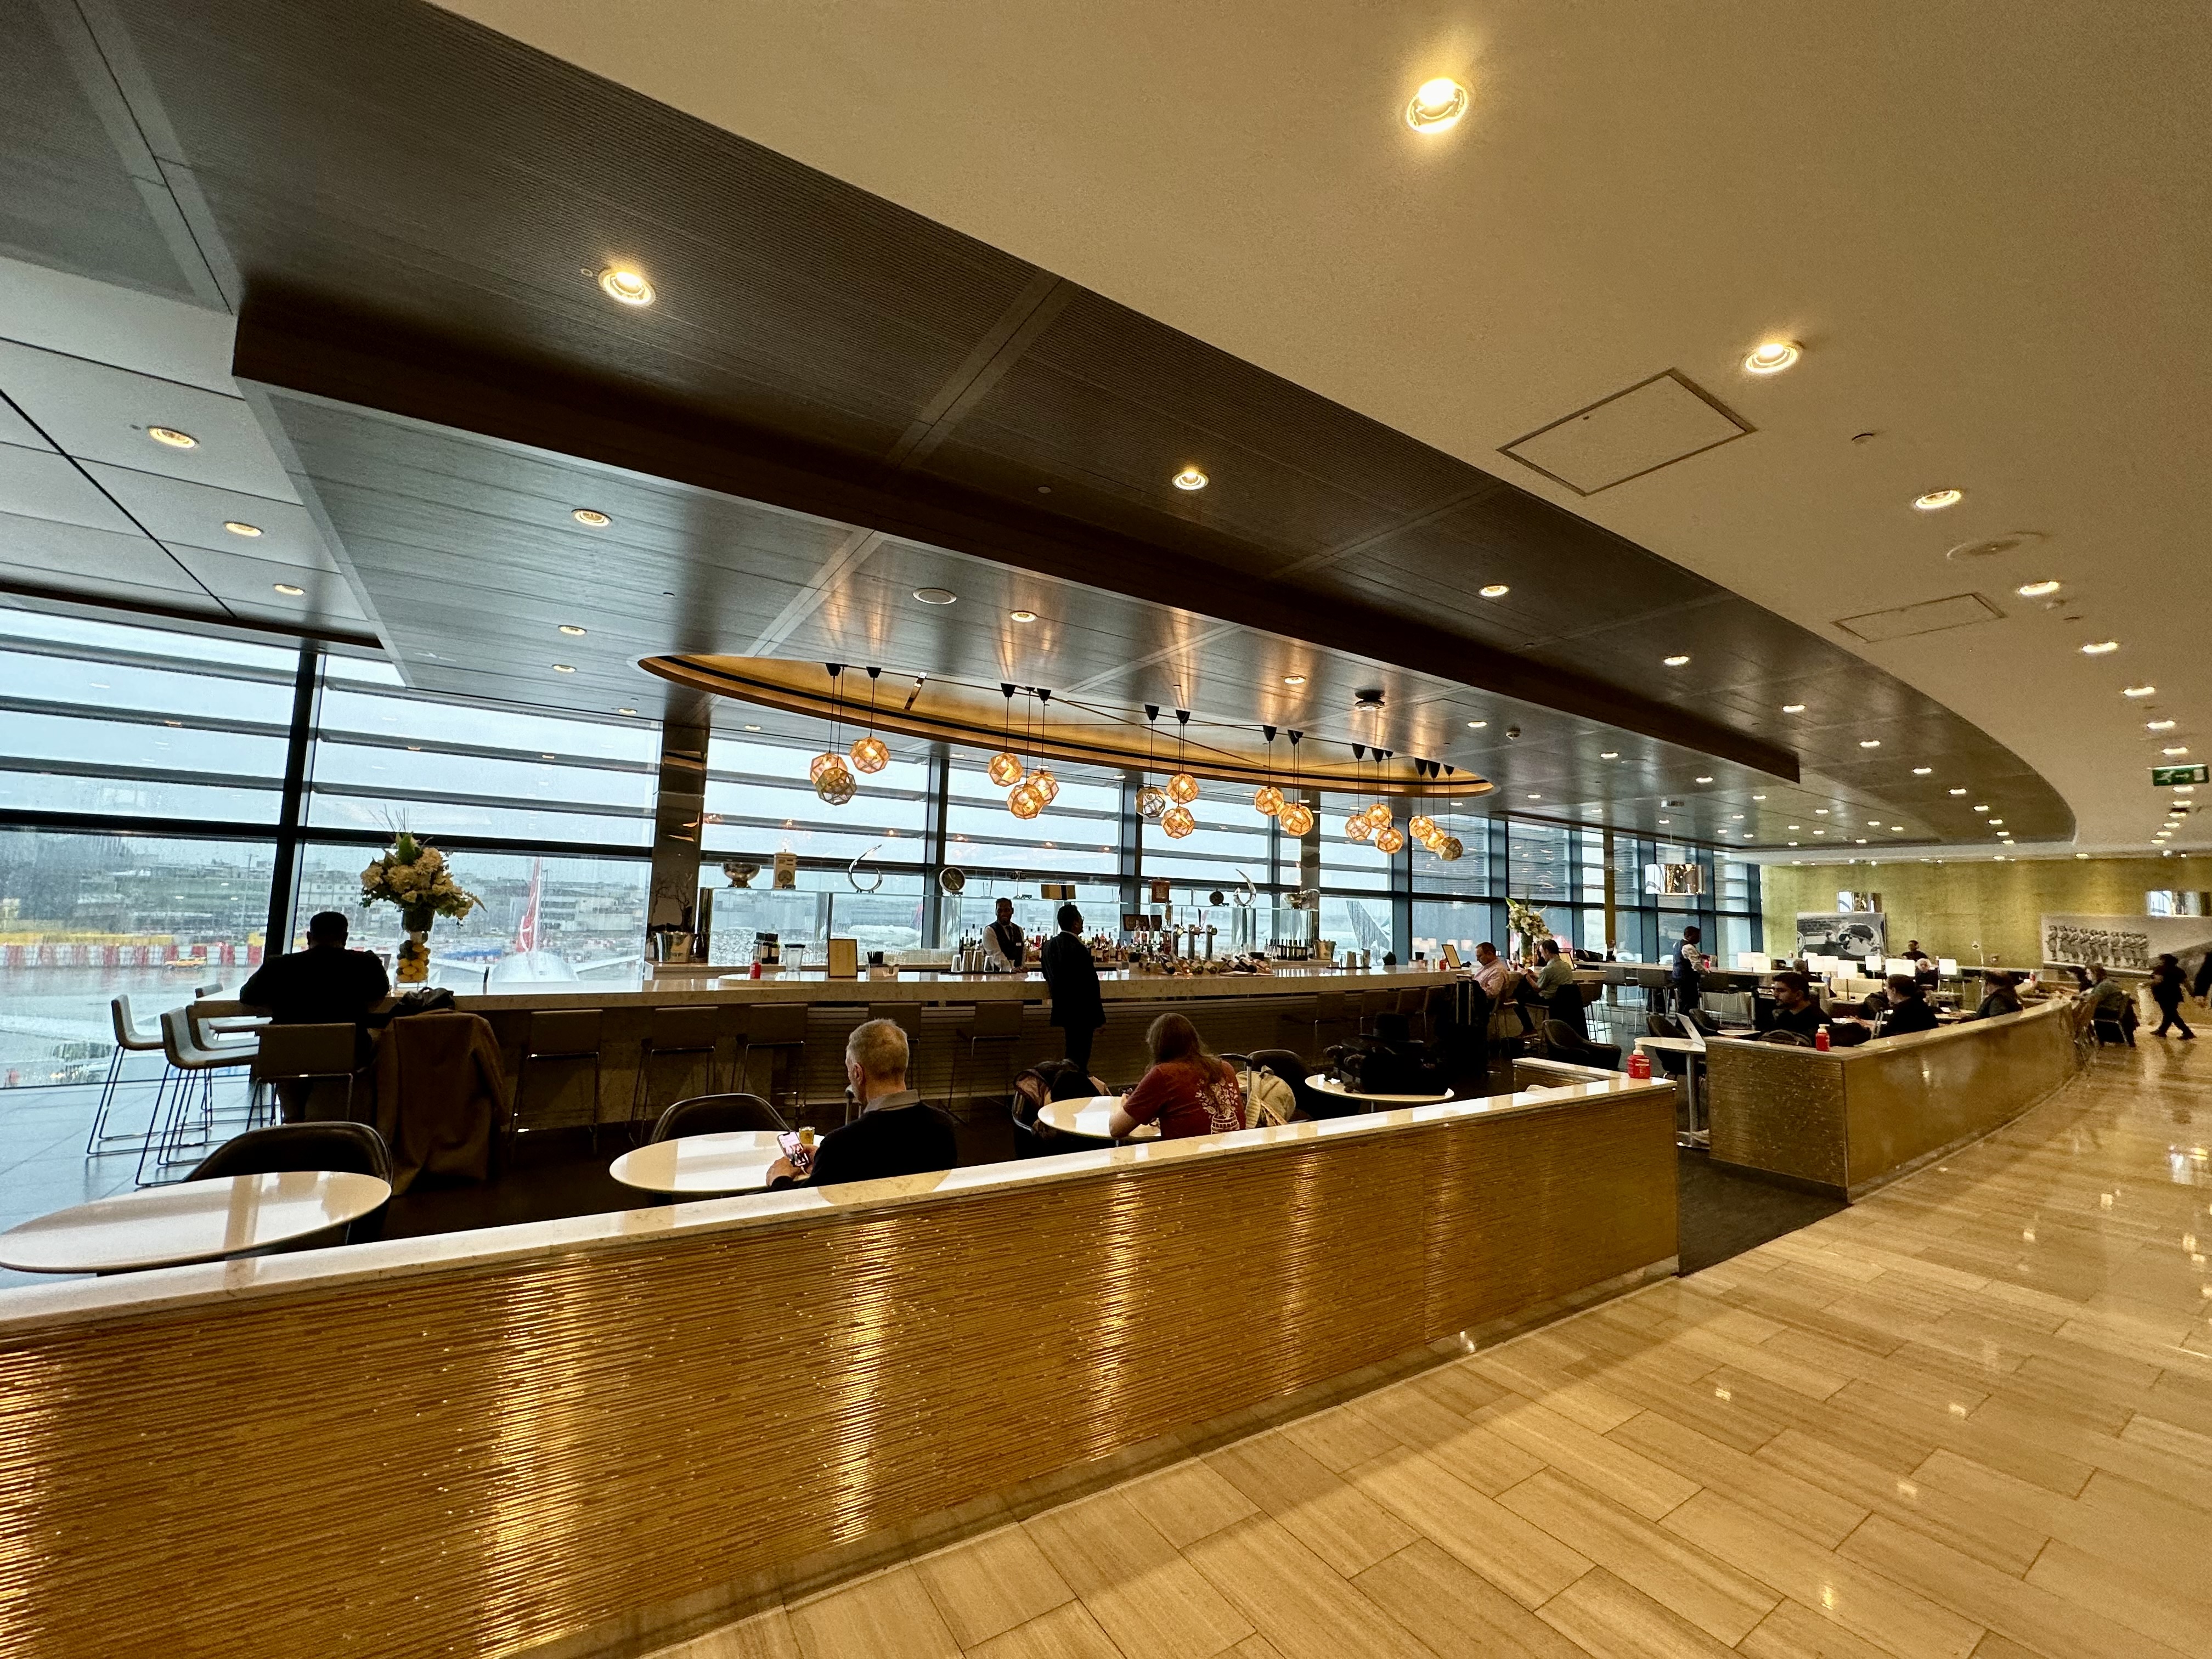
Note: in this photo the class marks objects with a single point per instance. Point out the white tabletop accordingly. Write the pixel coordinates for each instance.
(1689, 1045)
(189, 1221)
(736, 1161)
(1090, 1117)
(1323, 1083)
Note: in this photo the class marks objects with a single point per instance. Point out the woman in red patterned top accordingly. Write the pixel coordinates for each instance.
(1188, 1091)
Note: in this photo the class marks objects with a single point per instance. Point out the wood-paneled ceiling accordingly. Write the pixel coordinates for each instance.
(834, 401)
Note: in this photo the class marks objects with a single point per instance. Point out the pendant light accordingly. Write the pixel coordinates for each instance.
(1421, 827)
(869, 754)
(1378, 811)
(1182, 788)
(1448, 846)
(1390, 840)
(1267, 800)
(1024, 800)
(1178, 822)
(1356, 827)
(1005, 766)
(833, 779)
(1296, 817)
(1042, 780)
(1151, 800)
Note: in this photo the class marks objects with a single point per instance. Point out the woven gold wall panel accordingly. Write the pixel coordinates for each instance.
(481, 1458)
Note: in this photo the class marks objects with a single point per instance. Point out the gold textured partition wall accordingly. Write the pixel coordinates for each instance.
(1852, 1119)
(575, 1433)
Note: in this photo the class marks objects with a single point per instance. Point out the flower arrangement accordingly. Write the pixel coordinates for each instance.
(1525, 920)
(416, 878)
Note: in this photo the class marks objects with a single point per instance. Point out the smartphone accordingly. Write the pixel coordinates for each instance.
(801, 1156)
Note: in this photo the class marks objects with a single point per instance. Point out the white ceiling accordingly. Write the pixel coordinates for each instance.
(91, 506)
(1989, 225)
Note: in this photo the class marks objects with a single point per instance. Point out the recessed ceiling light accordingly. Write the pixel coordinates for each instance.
(1796, 826)
(1820, 812)
(2100, 647)
(1608, 754)
(2081, 855)
(630, 287)
(1818, 830)
(1793, 708)
(1190, 478)
(1666, 820)
(288, 590)
(1437, 105)
(1995, 822)
(1704, 780)
(1676, 662)
(1981, 809)
(591, 518)
(1477, 726)
(1495, 591)
(1294, 679)
(240, 527)
(1922, 771)
(564, 668)
(1023, 616)
(1958, 791)
(2137, 690)
(1772, 357)
(1735, 814)
(752, 729)
(625, 711)
(2178, 749)
(1793, 844)
(935, 595)
(1869, 743)
(2037, 590)
(171, 437)
(571, 628)
(1936, 500)
(1536, 798)
(2158, 725)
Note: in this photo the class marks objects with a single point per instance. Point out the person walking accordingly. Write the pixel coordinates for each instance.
(1072, 978)
(2166, 989)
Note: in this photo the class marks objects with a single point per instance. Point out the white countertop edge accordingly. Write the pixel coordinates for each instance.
(38, 1308)
(1879, 1048)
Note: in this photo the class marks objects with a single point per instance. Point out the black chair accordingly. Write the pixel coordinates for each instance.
(718, 1114)
(1786, 1039)
(564, 1036)
(1563, 1041)
(1290, 1065)
(1665, 1025)
(779, 1028)
(998, 1022)
(283, 1148)
(688, 1033)
(1706, 1025)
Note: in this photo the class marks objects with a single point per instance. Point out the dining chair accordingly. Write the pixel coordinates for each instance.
(286, 1148)
(718, 1114)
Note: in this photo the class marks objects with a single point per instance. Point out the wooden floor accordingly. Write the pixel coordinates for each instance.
(1971, 1416)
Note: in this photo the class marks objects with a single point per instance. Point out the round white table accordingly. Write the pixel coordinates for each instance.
(1089, 1117)
(1323, 1084)
(735, 1160)
(190, 1221)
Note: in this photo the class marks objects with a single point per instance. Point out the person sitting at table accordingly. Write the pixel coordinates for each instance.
(1908, 1008)
(1503, 983)
(1555, 983)
(895, 1134)
(2000, 994)
(326, 984)
(1187, 1091)
(2109, 1004)
(1793, 1009)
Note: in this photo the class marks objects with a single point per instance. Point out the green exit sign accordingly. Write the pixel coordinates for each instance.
(2162, 776)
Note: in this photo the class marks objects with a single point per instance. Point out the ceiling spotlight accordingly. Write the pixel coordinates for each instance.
(1536, 798)
(1609, 754)
(1995, 822)
(620, 283)
(591, 518)
(1704, 780)
(1869, 743)
(288, 590)
(625, 711)
(1773, 356)
(564, 668)
(1735, 814)
(1294, 679)
(1477, 726)
(2158, 725)
(1936, 500)
(1958, 791)
(240, 527)
(1796, 826)
(2100, 647)
(1793, 708)
(2137, 690)
(935, 595)
(1495, 591)
(1023, 616)
(571, 629)
(171, 437)
(1820, 812)
(1981, 809)
(1190, 478)
(1437, 105)
(2037, 590)
(2178, 749)
(1922, 771)
(1676, 662)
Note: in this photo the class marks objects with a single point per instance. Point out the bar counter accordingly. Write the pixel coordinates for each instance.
(1233, 1013)
(595, 1435)
(1849, 1121)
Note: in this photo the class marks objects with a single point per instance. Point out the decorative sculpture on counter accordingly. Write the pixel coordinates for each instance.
(853, 873)
(740, 871)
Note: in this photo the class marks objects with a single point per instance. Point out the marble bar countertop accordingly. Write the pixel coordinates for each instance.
(930, 984)
(182, 1289)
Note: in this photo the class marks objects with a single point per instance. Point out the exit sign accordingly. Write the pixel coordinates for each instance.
(2163, 776)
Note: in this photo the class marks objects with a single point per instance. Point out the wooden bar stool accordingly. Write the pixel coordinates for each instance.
(671, 1032)
(559, 1035)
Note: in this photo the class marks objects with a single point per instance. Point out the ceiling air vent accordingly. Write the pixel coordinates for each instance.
(1933, 617)
(1653, 424)
(1997, 546)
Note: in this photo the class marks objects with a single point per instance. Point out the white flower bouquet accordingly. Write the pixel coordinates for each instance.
(416, 878)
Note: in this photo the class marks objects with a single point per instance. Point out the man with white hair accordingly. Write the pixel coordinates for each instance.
(894, 1134)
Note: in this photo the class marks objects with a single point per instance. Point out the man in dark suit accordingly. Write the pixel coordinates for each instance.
(1072, 978)
(324, 984)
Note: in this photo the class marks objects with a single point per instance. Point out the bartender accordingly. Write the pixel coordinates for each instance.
(1003, 945)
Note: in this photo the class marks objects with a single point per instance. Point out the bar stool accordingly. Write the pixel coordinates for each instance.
(987, 1022)
(306, 1054)
(187, 1058)
(689, 1032)
(774, 1026)
(560, 1035)
(130, 1038)
(1414, 1005)
(1331, 1008)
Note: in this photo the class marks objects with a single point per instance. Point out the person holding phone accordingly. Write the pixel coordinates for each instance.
(895, 1134)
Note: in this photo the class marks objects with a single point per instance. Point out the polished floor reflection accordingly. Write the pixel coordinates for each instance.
(1970, 1416)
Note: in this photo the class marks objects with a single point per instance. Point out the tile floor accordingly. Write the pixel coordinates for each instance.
(1971, 1416)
